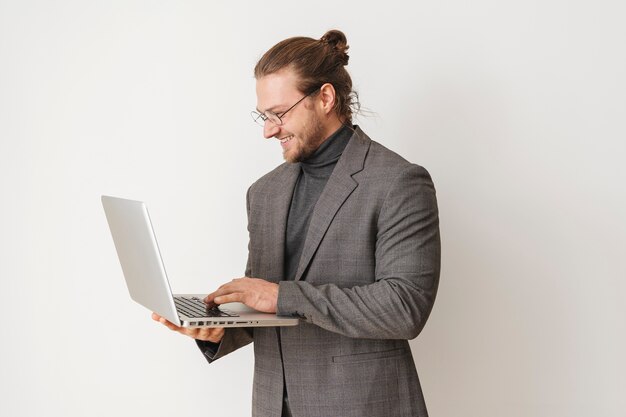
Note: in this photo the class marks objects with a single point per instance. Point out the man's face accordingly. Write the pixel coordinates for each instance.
(303, 130)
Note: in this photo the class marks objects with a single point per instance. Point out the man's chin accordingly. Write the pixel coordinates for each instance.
(292, 155)
(289, 157)
(299, 151)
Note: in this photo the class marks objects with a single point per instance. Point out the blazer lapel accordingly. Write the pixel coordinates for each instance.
(337, 190)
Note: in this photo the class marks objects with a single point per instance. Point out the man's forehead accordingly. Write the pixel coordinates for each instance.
(276, 89)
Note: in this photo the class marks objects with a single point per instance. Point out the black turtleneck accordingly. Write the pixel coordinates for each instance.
(314, 173)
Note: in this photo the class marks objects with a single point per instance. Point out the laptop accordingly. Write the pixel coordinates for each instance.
(144, 271)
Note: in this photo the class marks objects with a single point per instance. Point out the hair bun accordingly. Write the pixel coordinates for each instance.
(338, 42)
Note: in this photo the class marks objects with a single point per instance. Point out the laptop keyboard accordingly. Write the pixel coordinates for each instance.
(195, 307)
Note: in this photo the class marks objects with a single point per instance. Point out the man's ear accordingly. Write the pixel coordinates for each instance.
(327, 97)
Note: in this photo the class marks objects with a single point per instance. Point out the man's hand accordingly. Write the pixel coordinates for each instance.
(254, 292)
(211, 334)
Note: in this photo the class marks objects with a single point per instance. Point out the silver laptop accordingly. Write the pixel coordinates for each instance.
(147, 282)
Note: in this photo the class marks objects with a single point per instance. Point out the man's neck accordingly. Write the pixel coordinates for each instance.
(331, 127)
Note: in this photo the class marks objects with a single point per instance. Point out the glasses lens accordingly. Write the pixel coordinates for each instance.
(258, 117)
(273, 117)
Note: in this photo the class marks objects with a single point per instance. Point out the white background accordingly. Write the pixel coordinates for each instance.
(516, 108)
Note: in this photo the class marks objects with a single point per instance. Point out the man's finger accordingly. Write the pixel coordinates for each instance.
(220, 291)
(229, 298)
(235, 285)
(224, 290)
(168, 324)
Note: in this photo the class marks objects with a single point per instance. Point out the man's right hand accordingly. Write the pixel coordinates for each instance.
(210, 334)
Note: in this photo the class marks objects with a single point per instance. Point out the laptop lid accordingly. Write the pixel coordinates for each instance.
(146, 279)
(139, 255)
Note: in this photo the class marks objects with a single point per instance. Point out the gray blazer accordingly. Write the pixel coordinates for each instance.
(365, 285)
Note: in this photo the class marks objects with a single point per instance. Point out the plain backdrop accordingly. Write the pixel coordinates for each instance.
(516, 108)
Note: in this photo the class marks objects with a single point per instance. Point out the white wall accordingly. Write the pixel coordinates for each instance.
(516, 108)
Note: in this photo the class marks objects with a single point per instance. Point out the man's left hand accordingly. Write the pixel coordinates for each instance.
(257, 293)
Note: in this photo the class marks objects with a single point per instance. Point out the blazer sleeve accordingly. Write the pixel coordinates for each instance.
(408, 252)
(234, 338)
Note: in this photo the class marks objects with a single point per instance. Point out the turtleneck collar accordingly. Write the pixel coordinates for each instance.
(322, 162)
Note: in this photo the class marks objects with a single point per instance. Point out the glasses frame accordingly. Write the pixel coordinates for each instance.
(276, 118)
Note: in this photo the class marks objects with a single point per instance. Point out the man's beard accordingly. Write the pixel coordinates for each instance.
(310, 140)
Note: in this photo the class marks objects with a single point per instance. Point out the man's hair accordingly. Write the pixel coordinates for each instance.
(315, 62)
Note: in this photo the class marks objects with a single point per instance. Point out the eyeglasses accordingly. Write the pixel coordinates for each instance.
(277, 119)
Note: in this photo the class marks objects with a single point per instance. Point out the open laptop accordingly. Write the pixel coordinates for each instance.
(147, 281)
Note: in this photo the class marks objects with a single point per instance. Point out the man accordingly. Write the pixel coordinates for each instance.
(345, 236)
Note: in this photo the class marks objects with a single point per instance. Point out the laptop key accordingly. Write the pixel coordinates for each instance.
(194, 307)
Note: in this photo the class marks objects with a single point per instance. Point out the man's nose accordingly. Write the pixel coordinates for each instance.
(270, 129)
